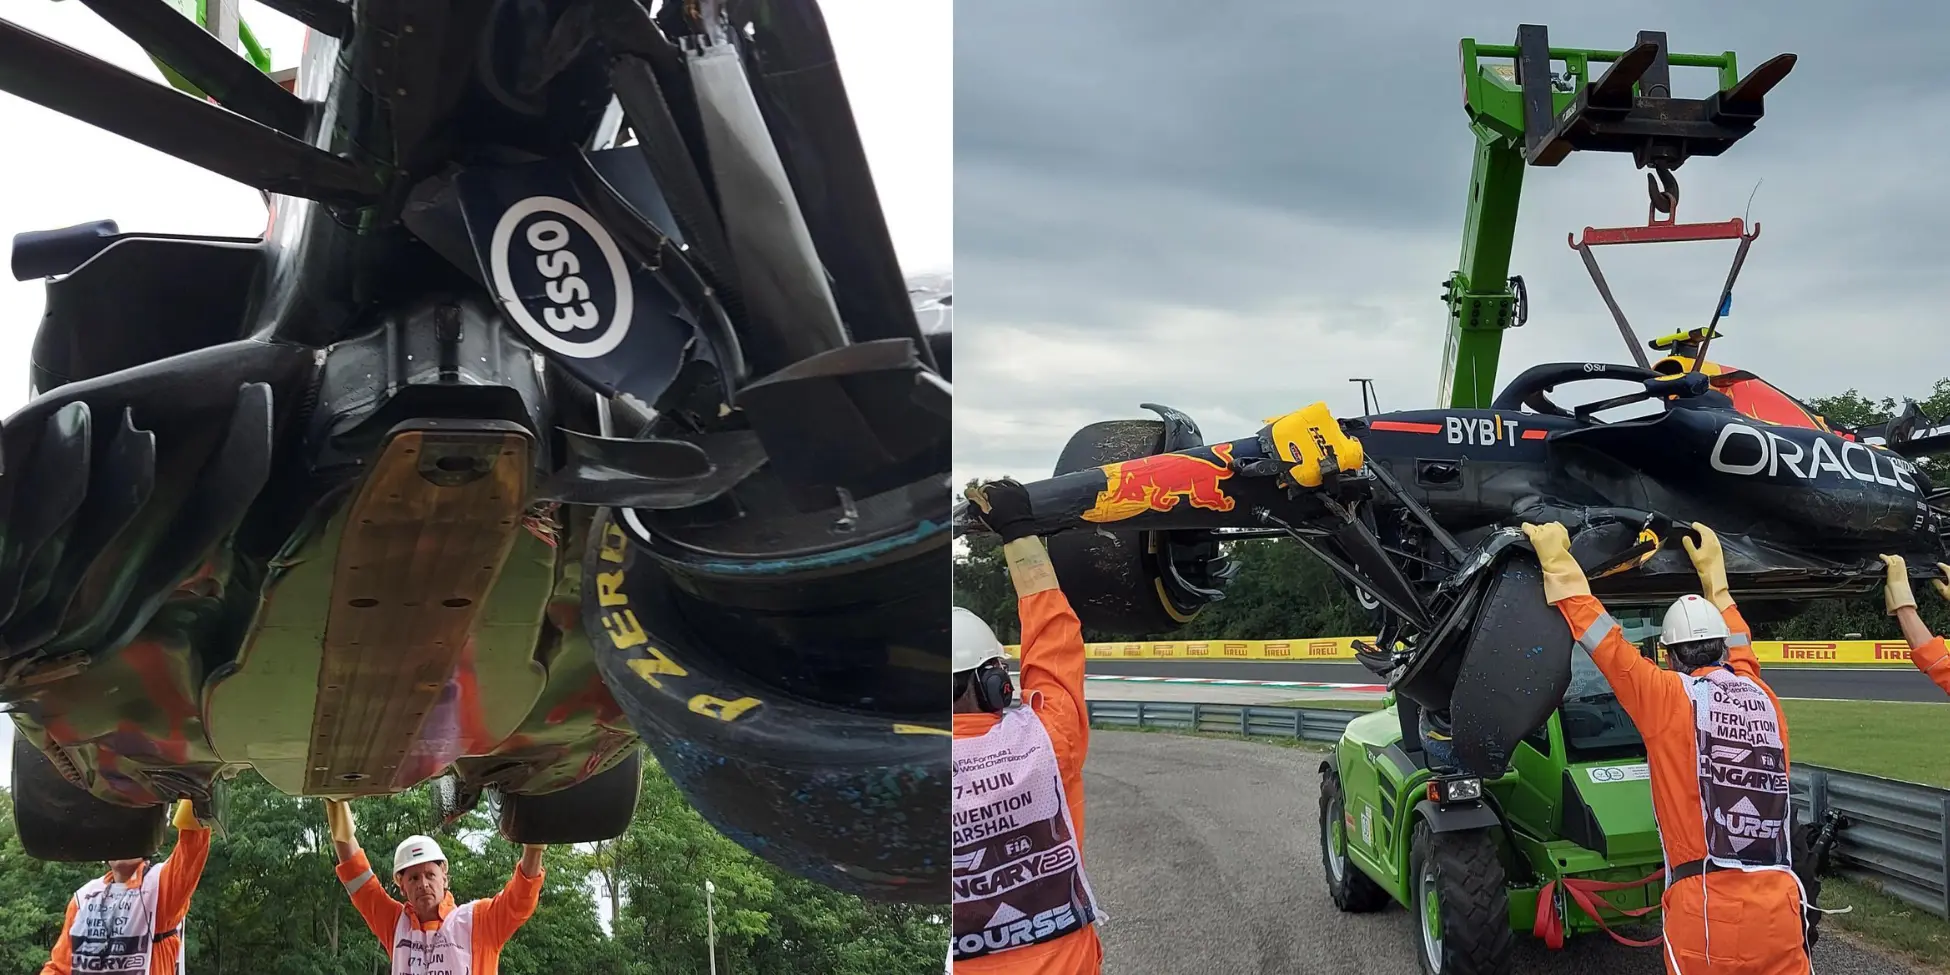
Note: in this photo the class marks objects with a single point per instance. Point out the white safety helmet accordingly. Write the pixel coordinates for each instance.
(974, 643)
(1692, 620)
(415, 850)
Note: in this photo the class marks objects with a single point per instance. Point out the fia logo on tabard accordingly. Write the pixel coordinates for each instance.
(561, 277)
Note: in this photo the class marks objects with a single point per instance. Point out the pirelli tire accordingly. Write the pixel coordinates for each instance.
(1353, 892)
(59, 821)
(1458, 898)
(849, 800)
(1114, 580)
(596, 809)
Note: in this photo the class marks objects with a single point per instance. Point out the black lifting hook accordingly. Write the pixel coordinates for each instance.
(1664, 191)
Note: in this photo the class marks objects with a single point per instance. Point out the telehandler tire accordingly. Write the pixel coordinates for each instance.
(1457, 895)
(1353, 892)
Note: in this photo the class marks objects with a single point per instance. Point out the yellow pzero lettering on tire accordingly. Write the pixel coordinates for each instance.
(649, 667)
(624, 631)
(920, 729)
(614, 542)
(609, 589)
(721, 709)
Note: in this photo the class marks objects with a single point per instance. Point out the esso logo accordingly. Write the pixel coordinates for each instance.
(561, 277)
(569, 309)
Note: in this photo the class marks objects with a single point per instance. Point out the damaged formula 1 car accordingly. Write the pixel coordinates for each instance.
(1418, 512)
(574, 398)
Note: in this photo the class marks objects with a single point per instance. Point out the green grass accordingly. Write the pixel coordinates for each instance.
(1885, 922)
(1894, 739)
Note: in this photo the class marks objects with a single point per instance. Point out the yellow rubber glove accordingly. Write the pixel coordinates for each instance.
(1562, 576)
(1711, 564)
(1942, 587)
(185, 817)
(338, 818)
(1896, 593)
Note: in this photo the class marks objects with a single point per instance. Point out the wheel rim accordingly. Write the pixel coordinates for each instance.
(1430, 902)
(1333, 837)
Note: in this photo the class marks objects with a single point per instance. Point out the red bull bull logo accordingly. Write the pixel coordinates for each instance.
(1159, 483)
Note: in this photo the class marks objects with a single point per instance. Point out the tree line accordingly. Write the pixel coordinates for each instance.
(270, 902)
(1281, 591)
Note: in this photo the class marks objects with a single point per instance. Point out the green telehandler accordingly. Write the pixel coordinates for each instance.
(1564, 841)
(1476, 859)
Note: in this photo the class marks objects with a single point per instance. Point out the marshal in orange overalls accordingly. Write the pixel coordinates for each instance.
(1755, 918)
(1926, 650)
(1052, 684)
(1722, 922)
(1934, 661)
(495, 919)
(169, 885)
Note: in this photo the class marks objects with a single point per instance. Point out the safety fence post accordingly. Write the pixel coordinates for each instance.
(1140, 715)
(1198, 717)
(1817, 794)
(1245, 724)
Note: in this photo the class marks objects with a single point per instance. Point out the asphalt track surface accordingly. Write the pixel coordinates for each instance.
(1854, 684)
(1205, 855)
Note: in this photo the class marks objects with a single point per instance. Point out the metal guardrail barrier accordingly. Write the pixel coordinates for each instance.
(1896, 834)
(1309, 724)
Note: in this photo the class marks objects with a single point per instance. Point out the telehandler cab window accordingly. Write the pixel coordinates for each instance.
(1596, 727)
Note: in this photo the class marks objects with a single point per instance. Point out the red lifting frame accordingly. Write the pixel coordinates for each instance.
(1662, 232)
(1657, 231)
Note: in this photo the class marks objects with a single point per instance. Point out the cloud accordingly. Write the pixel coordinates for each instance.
(1232, 208)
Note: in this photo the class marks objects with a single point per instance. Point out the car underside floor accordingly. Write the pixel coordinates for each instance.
(426, 538)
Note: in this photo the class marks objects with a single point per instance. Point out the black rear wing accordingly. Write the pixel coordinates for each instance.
(1909, 433)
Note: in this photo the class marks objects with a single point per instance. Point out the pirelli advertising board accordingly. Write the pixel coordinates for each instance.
(1831, 653)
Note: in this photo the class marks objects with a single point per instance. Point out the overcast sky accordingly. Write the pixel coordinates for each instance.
(1233, 207)
(56, 172)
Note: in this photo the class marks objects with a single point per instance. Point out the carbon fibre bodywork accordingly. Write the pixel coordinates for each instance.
(1802, 511)
(1418, 513)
